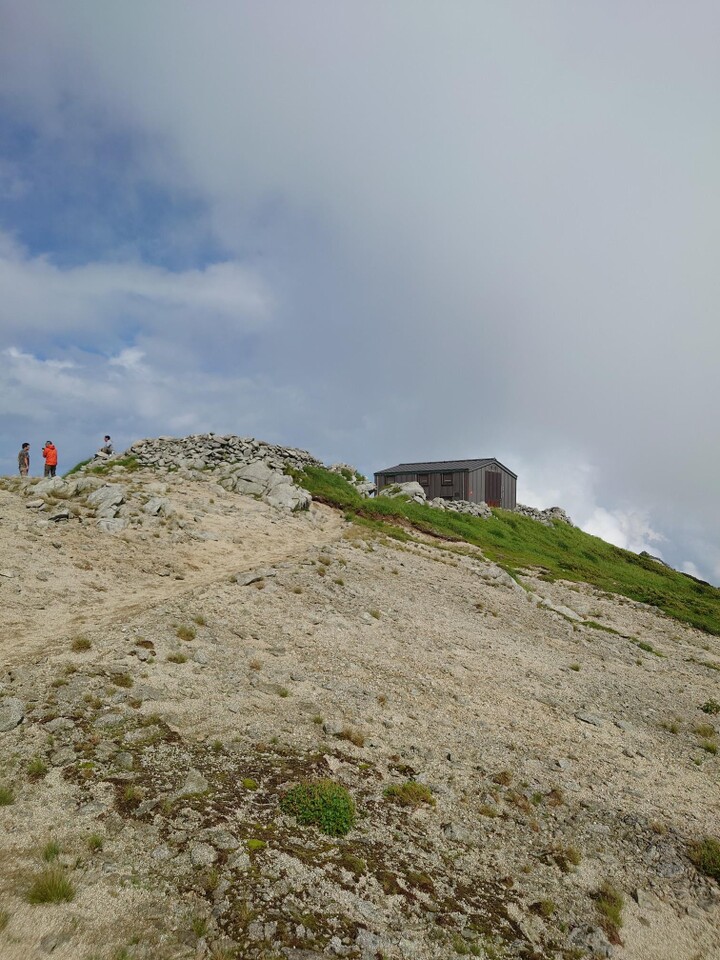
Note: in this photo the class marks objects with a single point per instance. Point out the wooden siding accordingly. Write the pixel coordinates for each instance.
(508, 486)
(434, 488)
(466, 485)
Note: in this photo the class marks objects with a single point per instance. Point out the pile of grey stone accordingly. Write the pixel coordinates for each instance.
(413, 491)
(240, 464)
(545, 517)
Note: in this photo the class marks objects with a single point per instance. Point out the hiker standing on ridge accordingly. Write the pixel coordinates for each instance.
(24, 460)
(50, 454)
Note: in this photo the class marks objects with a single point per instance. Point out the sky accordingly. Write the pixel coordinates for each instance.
(381, 231)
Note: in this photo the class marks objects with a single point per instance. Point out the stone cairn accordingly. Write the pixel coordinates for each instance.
(240, 464)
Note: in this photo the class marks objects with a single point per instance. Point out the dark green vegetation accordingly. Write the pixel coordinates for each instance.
(323, 804)
(559, 552)
(706, 857)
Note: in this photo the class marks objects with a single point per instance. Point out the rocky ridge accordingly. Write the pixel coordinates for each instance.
(552, 728)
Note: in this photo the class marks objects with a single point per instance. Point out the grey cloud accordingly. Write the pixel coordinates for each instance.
(488, 228)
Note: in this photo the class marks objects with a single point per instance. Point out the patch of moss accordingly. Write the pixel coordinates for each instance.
(323, 804)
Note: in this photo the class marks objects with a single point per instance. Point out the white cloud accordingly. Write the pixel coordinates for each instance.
(99, 299)
(625, 528)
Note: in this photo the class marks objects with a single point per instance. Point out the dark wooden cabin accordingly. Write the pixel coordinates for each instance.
(475, 480)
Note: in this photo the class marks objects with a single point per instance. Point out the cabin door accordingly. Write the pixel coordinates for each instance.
(493, 489)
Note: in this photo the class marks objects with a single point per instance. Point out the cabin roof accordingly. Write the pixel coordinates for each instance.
(444, 466)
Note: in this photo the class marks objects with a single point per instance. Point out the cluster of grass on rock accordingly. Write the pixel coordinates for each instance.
(323, 804)
(517, 543)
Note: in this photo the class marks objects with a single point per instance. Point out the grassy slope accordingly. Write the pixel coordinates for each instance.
(516, 542)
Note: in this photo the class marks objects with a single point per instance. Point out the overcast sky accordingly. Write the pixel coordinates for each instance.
(382, 230)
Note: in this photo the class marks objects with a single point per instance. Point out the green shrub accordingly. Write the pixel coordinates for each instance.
(711, 706)
(51, 886)
(80, 644)
(177, 658)
(323, 804)
(410, 794)
(705, 854)
(186, 633)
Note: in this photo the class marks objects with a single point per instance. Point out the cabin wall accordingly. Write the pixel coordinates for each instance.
(434, 488)
(508, 486)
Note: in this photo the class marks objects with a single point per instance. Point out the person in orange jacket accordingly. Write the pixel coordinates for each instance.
(50, 454)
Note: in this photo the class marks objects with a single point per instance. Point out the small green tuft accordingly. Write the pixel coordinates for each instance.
(51, 886)
(95, 843)
(254, 845)
(186, 632)
(37, 768)
(321, 803)
(610, 902)
(705, 854)
(249, 784)
(80, 644)
(51, 851)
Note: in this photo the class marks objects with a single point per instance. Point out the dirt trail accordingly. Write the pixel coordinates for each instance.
(54, 582)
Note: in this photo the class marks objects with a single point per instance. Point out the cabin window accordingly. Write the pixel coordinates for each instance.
(446, 479)
(424, 479)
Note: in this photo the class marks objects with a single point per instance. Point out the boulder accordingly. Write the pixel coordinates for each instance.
(12, 712)
(111, 524)
(158, 506)
(49, 485)
(405, 491)
(106, 500)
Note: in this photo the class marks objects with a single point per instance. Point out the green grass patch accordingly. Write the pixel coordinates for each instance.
(51, 886)
(610, 902)
(37, 768)
(705, 854)
(127, 463)
(321, 803)
(515, 542)
(78, 467)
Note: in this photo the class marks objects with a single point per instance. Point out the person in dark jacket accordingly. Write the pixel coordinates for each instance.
(24, 460)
